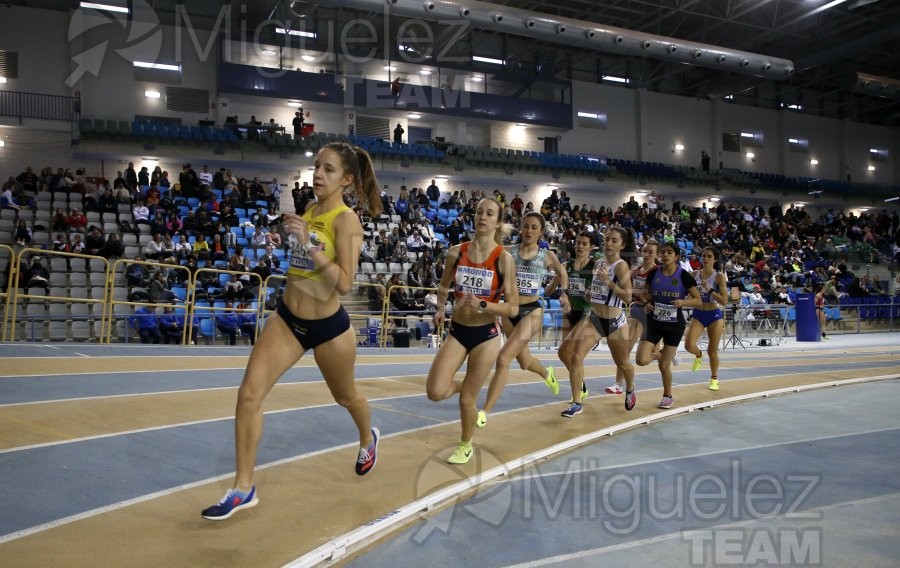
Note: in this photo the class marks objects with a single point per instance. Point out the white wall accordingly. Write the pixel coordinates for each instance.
(39, 36)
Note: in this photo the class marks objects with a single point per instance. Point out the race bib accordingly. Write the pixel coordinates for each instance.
(475, 281)
(528, 283)
(576, 287)
(599, 292)
(300, 259)
(665, 312)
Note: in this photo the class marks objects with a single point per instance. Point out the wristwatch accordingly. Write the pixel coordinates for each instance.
(482, 305)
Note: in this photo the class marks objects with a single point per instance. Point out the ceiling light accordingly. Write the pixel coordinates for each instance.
(863, 209)
(425, 71)
(679, 147)
(888, 200)
(104, 7)
(641, 193)
(151, 94)
(158, 66)
(583, 114)
(2, 80)
(793, 141)
(478, 78)
(2, 143)
(871, 168)
(713, 198)
(414, 115)
(269, 52)
(614, 79)
(746, 135)
(488, 60)
(309, 154)
(751, 155)
(729, 97)
(308, 58)
(295, 32)
(814, 162)
(390, 68)
(295, 104)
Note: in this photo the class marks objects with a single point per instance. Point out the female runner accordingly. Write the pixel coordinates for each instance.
(581, 273)
(325, 247)
(713, 289)
(482, 272)
(668, 288)
(532, 264)
(610, 291)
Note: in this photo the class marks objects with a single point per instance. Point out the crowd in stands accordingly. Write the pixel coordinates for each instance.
(220, 220)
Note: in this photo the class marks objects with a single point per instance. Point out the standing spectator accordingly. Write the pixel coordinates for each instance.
(398, 134)
(131, 178)
(297, 123)
(433, 192)
(274, 196)
(704, 161)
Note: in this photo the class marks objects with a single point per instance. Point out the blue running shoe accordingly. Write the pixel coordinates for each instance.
(368, 456)
(574, 408)
(231, 503)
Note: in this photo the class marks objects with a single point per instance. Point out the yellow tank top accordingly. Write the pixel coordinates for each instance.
(321, 230)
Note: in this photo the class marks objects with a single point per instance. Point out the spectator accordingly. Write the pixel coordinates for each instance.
(297, 123)
(113, 248)
(159, 289)
(94, 242)
(398, 134)
(274, 196)
(23, 235)
(229, 324)
(76, 220)
(146, 323)
(107, 204)
(704, 161)
(172, 325)
(37, 275)
(135, 274)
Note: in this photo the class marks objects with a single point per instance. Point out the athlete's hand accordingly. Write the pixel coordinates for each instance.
(296, 226)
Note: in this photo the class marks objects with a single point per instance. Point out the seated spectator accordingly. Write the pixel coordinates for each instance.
(94, 242)
(159, 289)
(248, 326)
(60, 243)
(77, 244)
(238, 262)
(136, 274)
(153, 248)
(141, 214)
(37, 275)
(274, 262)
(414, 242)
(856, 289)
(229, 323)
(8, 200)
(107, 205)
(146, 323)
(113, 248)
(23, 235)
(172, 326)
(218, 250)
(233, 290)
(376, 293)
(274, 299)
(59, 220)
(76, 221)
(201, 249)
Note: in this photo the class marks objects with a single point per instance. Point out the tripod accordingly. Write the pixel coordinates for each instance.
(734, 341)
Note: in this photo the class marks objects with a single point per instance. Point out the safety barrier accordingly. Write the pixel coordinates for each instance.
(132, 305)
(8, 255)
(55, 295)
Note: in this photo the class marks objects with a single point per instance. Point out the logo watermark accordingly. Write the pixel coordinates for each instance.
(627, 503)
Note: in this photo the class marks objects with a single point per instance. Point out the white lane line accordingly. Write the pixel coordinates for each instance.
(313, 381)
(166, 492)
(181, 425)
